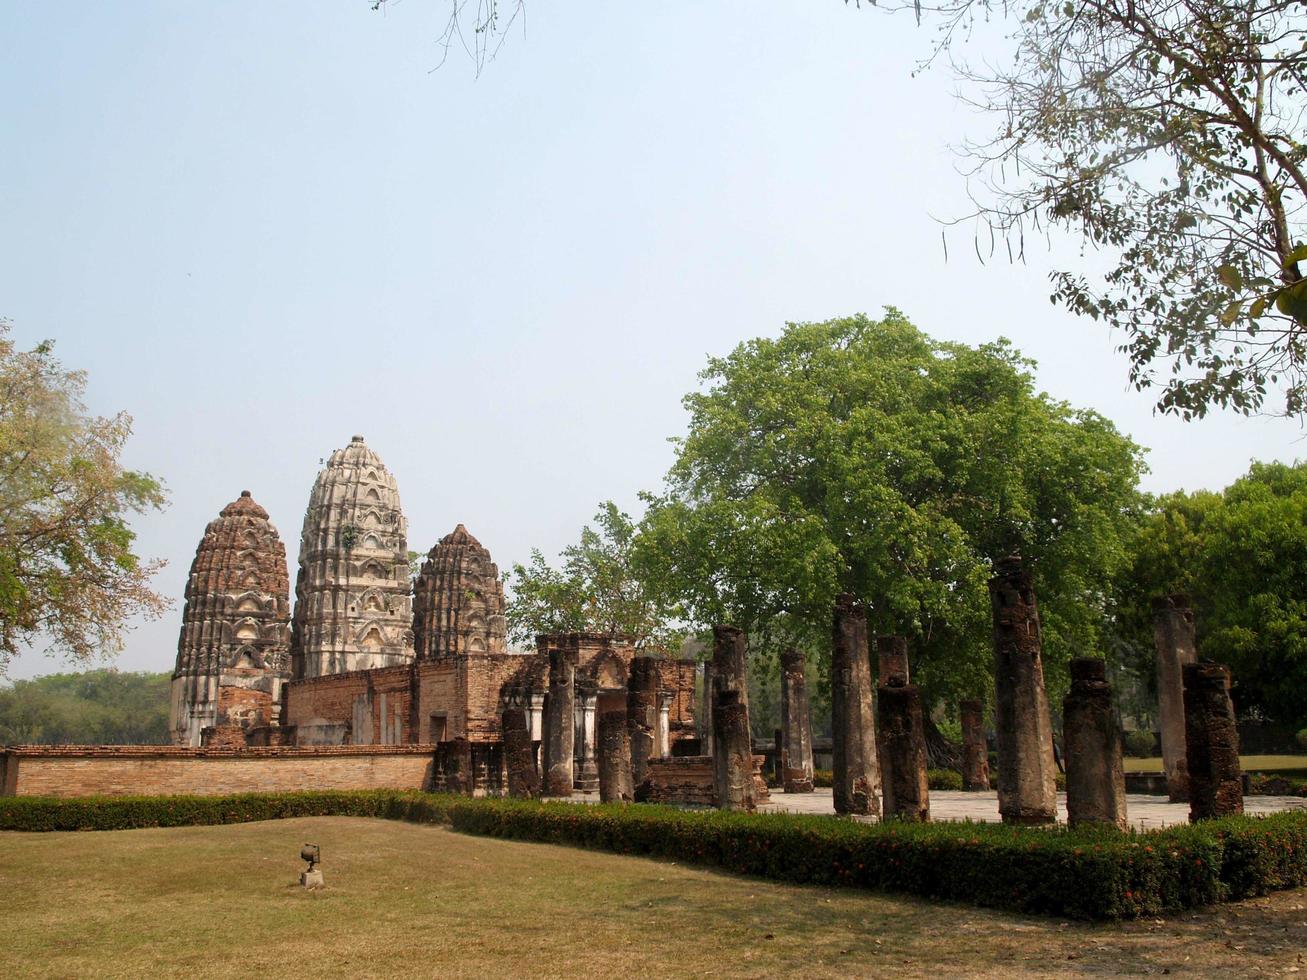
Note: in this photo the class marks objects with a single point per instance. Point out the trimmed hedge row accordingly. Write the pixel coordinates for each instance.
(1081, 873)
(1261, 784)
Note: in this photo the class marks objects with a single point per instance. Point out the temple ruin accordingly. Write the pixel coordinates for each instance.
(458, 600)
(232, 655)
(352, 594)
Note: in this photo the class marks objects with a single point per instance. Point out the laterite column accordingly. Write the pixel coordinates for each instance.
(907, 796)
(1095, 777)
(560, 724)
(975, 752)
(853, 727)
(1027, 787)
(615, 782)
(796, 725)
(1211, 743)
(519, 755)
(1173, 637)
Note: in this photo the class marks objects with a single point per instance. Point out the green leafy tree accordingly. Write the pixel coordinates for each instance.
(599, 588)
(97, 707)
(861, 456)
(1167, 134)
(68, 574)
(1241, 555)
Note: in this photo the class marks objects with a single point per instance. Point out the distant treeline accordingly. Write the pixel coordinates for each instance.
(96, 707)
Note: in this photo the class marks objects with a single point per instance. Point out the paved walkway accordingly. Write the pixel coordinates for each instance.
(1145, 812)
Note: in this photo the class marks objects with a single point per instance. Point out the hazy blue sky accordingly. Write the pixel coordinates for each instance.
(263, 228)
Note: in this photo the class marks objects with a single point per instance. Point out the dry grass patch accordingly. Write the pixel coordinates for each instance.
(416, 900)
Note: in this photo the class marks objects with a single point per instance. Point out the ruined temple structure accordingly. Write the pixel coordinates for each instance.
(352, 594)
(457, 704)
(458, 600)
(232, 655)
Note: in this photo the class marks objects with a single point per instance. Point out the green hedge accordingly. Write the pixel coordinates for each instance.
(1262, 784)
(1082, 873)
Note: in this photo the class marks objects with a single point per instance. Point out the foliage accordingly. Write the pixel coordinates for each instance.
(68, 574)
(1139, 744)
(599, 589)
(1093, 873)
(1241, 555)
(98, 707)
(861, 456)
(1168, 135)
(1301, 739)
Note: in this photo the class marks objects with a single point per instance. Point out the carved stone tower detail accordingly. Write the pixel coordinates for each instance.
(233, 651)
(458, 603)
(352, 596)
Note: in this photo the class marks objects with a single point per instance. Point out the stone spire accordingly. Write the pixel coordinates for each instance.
(232, 653)
(352, 604)
(458, 603)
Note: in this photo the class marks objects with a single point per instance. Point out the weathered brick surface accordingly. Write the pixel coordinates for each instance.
(689, 780)
(122, 770)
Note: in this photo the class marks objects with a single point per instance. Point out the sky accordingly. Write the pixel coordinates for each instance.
(264, 228)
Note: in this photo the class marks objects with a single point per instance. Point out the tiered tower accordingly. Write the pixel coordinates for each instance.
(232, 653)
(352, 605)
(458, 603)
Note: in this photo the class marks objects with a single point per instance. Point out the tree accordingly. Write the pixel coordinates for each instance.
(97, 707)
(861, 456)
(68, 574)
(1241, 555)
(1166, 132)
(598, 589)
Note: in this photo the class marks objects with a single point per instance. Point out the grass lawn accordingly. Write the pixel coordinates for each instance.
(414, 900)
(1286, 765)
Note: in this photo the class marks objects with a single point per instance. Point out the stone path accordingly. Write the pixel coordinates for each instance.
(1145, 812)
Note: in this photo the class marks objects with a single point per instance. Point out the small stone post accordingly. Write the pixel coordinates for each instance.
(796, 726)
(1027, 787)
(853, 727)
(1095, 776)
(975, 753)
(1211, 742)
(1173, 637)
(615, 782)
(907, 795)
(519, 755)
(733, 758)
(560, 723)
(642, 714)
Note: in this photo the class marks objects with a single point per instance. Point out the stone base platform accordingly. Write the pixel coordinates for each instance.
(1144, 812)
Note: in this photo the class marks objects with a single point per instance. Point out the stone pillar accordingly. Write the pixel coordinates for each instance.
(1095, 776)
(853, 728)
(733, 758)
(519, 755)
(1211, 742)
(891, 667)
(587, 767)
(560, 712)
(796, 725)
(975, 753)
(730, 662)
(536, 725)
(1027, 787)
(892, 660)
(663, 743)
(642, 713)
(705, 715)
(615, 783)
(1173, 637)
(907, 796)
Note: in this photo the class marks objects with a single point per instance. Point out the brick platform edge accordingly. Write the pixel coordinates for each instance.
(71, 771)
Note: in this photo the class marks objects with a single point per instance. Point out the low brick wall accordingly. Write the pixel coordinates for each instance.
(689, 780)
(129, 770)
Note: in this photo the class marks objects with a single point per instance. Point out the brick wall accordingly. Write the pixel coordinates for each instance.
(69, 771)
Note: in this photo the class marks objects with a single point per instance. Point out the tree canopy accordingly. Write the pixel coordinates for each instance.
(97, 707)
(1241, 555)
(1168, 134)
(597, 589)
(861, 456)
(68, 574)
